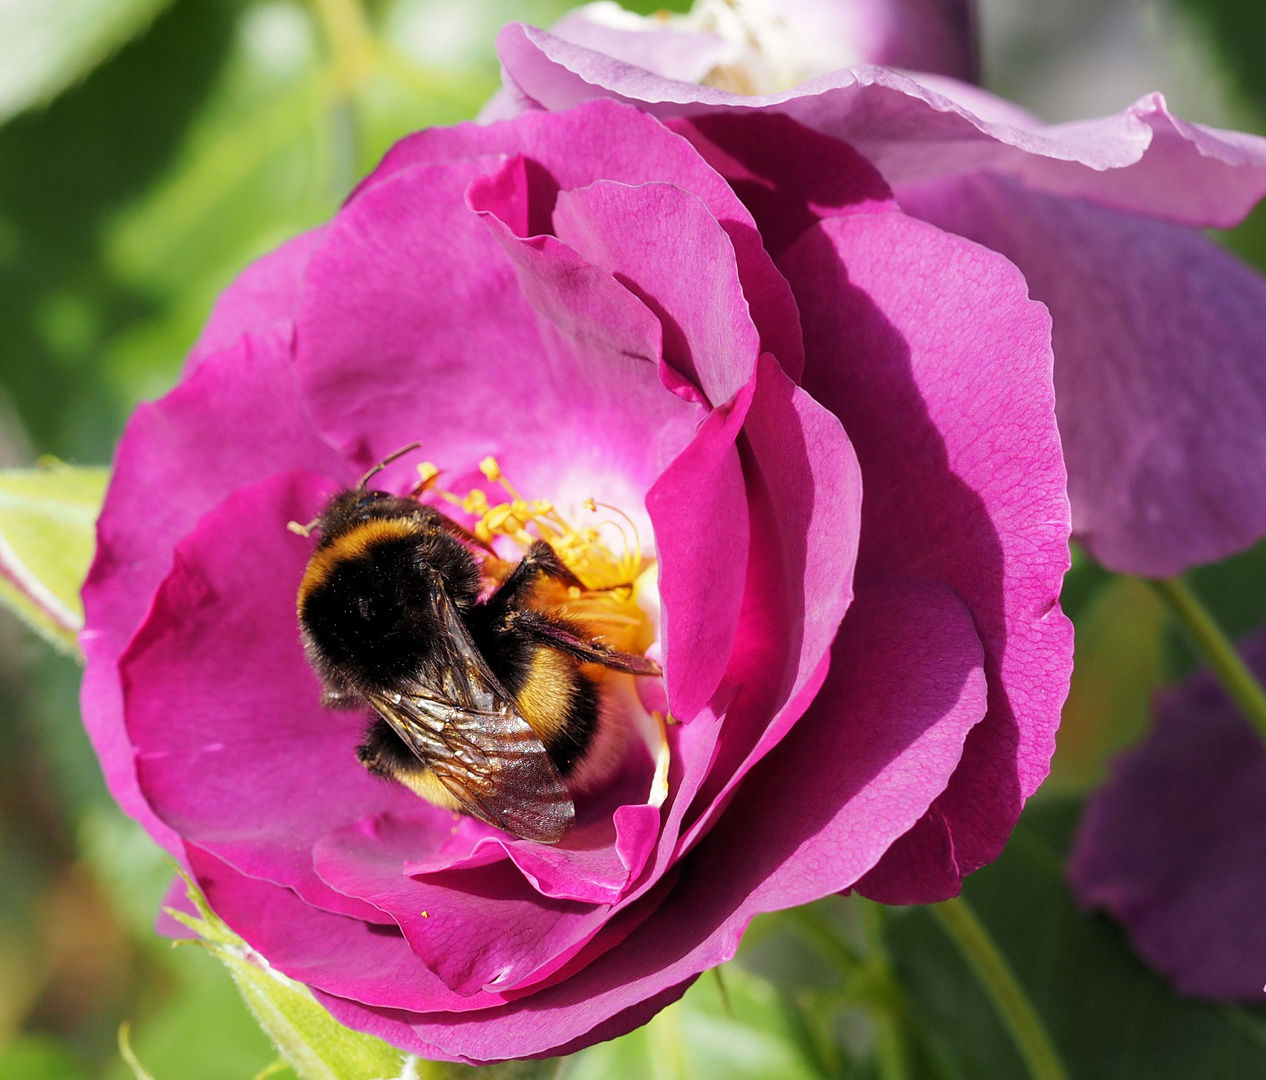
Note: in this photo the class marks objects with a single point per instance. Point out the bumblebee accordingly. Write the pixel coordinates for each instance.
(488, 700)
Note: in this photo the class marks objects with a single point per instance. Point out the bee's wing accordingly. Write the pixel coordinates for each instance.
(461, 723)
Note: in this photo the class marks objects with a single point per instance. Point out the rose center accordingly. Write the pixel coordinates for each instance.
(618, 605)
(605, 555)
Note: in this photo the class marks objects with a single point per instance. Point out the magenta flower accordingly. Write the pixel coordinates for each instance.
(1161, 395)
(817, 407)
(1174, 844)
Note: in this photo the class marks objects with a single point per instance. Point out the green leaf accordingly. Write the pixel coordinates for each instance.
(313, 1043)
(47, 537)
(1108, 1014)
(196, 1027)
(47, 45)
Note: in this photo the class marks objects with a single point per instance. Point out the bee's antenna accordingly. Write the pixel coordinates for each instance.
(384, 463)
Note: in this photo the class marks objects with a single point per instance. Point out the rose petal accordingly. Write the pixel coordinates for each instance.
(368, 962)
(413, 235)
(867, 762)
(482, 928)
(922, 35)
(265, 292)
(805, 491)
(817, 36)
(708, 334)
(1142, 159)
(238, 417)
(699, 509)
(1160, 387)
(671, 53)
(1174, 844)
(930, 352)
(607, 141)
(787, 175)
(697, 504)
(217, 690)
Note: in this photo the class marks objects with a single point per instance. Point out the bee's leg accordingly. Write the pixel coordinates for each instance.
(454, 528)
(384, 753)
(560, 635)
(540, 559)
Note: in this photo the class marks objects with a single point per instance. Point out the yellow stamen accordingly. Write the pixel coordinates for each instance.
(659, 750)
(607, 607)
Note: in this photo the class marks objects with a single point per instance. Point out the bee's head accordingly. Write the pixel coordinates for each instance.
(364, 603)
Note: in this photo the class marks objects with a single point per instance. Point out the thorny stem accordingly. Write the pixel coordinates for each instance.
(1216, 648)
(1017, 1012)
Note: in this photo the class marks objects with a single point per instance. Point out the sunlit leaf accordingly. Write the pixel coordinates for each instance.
(47, 538)
(315, 1045)
(45, 45)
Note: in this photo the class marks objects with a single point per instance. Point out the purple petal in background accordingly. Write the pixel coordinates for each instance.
(921, 35)
(1159, 376)
(1174, 844)
(1142, 159)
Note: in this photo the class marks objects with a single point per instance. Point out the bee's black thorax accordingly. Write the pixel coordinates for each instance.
(392, 605)
(364, 604)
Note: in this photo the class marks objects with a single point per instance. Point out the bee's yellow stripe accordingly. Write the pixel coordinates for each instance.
(546, 695)
(353, 544)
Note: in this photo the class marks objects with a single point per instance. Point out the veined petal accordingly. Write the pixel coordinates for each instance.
(237, 417)
(912, 128)
(1159, 381)
(930, 352)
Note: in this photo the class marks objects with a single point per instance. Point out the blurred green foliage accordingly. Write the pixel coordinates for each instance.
(1108, 1015)
(1237, 29)
(178, 141)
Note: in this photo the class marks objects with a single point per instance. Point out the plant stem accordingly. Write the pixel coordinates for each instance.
(1216, 648)
(347, 31)
(724, 992)
(1021, 1019)
(821, 934)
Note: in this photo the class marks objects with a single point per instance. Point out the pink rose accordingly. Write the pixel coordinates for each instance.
(807, 403)
(1157, 332)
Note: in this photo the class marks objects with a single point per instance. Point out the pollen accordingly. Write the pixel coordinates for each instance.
(604, 553)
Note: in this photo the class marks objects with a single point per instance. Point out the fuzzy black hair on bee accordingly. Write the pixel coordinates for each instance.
(488, 701)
